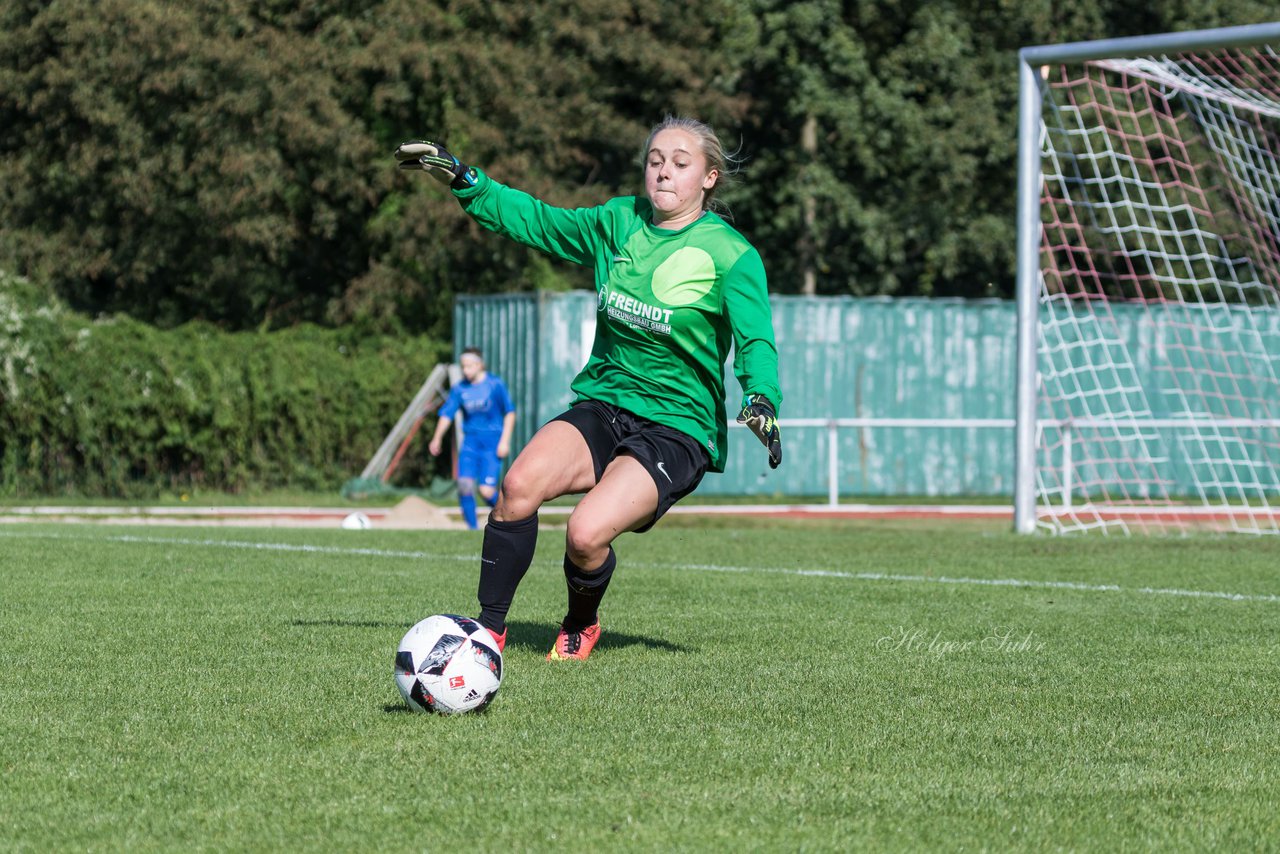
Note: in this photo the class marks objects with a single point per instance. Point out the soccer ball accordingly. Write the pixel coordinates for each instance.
(356, 522)
(448, 664)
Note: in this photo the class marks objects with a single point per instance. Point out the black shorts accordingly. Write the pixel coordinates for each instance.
(676, 462)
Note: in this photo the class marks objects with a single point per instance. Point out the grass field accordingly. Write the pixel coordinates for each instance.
(818, 686)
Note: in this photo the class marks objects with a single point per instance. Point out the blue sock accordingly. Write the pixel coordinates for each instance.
(491, 500)
(468, 505)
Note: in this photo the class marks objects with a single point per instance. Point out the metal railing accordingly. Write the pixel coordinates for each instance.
(1068, 426)
(833, 425)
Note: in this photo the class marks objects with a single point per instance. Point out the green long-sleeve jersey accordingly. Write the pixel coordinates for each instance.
(669, 303)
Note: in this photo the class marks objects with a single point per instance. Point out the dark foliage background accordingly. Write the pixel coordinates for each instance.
(117, 407)
(228, 161)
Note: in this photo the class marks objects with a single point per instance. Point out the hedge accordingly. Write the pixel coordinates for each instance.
(114, 407)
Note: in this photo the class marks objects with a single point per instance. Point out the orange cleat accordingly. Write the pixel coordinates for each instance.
(499, 639)
(574, 645)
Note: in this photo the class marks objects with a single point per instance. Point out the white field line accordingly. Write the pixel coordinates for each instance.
(696, 567)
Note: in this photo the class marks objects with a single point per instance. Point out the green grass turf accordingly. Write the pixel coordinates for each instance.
(168, 689)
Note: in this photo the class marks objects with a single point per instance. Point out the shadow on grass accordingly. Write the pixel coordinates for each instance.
(520, 635)
(539, 637)
(352, 624)
(403, 709)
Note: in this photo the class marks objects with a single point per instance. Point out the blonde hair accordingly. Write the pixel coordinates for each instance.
(725, 163)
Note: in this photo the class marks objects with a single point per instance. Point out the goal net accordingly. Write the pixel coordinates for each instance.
(1157, 398)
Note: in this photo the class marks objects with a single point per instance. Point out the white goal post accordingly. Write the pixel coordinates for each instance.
(1148, 284)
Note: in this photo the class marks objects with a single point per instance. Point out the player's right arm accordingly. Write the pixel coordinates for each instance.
(445, 419)
(437, 440)
(571, 234)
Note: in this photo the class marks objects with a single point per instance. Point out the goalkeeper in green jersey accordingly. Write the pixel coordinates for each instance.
(676, 287)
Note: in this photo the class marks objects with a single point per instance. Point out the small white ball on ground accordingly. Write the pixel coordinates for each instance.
(356, 522)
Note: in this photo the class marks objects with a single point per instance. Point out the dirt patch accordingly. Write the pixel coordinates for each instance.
(413, 513)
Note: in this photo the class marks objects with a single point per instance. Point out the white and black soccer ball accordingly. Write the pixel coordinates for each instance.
(448, 664)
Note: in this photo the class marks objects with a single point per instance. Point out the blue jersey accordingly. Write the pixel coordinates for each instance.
(483, 405)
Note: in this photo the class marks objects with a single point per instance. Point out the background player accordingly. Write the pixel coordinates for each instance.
(489, 416)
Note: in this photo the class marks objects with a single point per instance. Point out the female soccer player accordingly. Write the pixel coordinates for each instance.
(489, 416)
(675, 285)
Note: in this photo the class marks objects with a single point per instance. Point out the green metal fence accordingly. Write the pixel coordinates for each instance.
(948, 362)
(839, 358)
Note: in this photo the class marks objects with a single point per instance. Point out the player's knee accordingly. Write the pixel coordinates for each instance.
(522, 486)
(585, 540)
(466, 486)
(487, 491)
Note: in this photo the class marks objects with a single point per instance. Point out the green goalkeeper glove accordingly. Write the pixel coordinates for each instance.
(758, 414)
(435, 159)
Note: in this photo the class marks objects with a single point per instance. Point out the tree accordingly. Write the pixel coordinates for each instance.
(553, 98)
(905, 184)
(179, 161)
(230, 160)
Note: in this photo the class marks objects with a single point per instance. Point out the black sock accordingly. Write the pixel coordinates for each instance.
(586, 589)
(504, 559)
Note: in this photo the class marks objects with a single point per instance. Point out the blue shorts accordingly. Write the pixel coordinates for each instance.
(478, 459)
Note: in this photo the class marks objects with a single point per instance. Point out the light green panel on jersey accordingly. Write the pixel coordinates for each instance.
(685, 277)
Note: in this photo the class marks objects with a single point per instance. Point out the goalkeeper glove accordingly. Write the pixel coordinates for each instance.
(758, 414)
(435, 159)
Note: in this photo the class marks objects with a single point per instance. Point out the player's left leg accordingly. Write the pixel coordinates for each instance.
(469, 465)
(625, 499)
(490, 471)
(467, 501)
(557, 461)
(654, 468)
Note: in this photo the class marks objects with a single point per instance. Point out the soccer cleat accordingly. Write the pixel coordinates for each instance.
(499, 639)
(574, 645)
